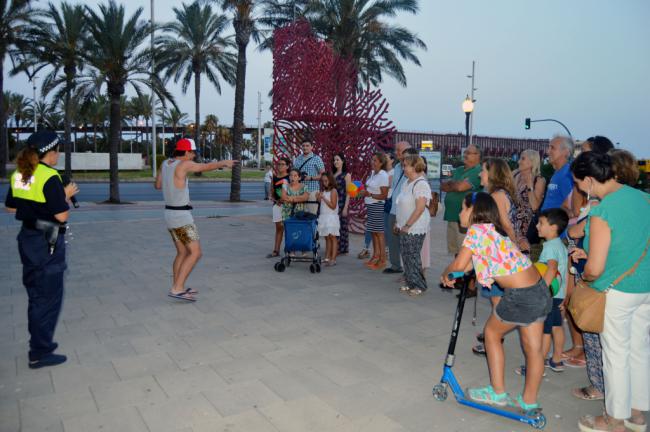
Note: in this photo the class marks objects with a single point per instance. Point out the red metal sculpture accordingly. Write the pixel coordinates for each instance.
(316, 95)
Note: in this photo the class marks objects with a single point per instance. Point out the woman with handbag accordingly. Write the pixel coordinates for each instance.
(618, 271)
(412, 223)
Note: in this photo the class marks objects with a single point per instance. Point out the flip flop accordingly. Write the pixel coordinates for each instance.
(575, 362)
(182, 296)
(587, 393)
(273, 254)
(191, 291)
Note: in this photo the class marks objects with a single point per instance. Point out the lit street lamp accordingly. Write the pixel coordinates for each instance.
(468, 107)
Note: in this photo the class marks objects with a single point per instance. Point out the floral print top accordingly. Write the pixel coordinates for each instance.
(493, 254)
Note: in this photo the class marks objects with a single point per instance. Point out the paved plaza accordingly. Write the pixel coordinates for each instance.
(339, 351)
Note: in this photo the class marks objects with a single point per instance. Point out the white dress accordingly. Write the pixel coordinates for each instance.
(328, 219)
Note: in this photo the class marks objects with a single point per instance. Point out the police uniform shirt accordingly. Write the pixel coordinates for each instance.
(55, 202)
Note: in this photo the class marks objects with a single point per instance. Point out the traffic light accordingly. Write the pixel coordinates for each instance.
(527, 123)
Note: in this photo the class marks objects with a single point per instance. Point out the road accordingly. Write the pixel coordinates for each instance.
(199, 191)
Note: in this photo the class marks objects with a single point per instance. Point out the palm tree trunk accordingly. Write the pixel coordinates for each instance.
(238, 122)
(114, 142)
(3, 137)
(197, 106)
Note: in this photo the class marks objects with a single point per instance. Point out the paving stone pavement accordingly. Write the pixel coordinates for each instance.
(260, 351)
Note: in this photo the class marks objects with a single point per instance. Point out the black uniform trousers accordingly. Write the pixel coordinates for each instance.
(43, 280)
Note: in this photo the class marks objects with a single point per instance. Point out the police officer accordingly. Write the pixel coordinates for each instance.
(40, 201)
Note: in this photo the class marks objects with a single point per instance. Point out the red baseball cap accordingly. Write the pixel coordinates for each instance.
(186, 144)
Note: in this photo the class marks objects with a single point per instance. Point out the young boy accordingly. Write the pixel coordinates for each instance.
(552, 223)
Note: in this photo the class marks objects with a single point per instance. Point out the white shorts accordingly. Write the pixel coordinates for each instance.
(277, 213)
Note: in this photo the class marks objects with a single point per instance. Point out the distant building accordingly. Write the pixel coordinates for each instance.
(452, 144)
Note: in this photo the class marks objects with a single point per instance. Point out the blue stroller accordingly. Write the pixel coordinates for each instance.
(301, 235)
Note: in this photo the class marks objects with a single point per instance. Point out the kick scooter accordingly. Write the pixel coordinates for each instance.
(534, 418)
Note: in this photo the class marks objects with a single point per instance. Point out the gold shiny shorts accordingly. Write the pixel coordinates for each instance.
(185, 234)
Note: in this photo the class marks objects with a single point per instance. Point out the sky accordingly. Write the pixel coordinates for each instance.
(583, 62)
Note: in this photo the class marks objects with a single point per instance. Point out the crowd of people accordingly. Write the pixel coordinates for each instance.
(528, 240)
(532, 246)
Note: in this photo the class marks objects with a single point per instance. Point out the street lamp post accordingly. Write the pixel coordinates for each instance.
(468, 107)
(153, 96)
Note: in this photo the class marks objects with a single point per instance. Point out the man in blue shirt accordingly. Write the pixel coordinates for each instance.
(558, 191)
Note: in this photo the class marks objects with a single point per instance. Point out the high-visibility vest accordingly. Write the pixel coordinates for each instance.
(33, 189)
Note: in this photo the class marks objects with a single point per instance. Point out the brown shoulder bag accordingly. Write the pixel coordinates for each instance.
(587, 305)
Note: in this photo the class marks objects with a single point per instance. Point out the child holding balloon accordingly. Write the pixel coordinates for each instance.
(552, 223)
(553, 265)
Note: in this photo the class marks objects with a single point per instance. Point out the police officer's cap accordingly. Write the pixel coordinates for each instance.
(43, 141)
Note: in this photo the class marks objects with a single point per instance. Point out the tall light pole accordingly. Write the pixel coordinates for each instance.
(471, 119)
(468, 107)
(34, 99)
(153, 98)
(259, 130)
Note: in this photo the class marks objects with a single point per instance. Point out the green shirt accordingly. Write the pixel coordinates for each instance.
(454, 200)
(627, 212)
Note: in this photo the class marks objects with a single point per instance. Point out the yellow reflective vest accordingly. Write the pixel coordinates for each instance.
(33, 189)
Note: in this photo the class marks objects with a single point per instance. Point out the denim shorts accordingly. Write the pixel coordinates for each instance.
(524, 306)
(554, 318)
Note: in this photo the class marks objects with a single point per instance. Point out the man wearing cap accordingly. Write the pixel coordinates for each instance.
(40, 201)
(172, 179)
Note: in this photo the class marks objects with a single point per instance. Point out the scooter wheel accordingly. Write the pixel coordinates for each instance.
(312, 268)
(279, 267)
(440, 392)
(317, 268)
(539, 421)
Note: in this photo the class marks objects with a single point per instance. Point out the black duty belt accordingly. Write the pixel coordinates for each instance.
(34, 225)
(185, 207)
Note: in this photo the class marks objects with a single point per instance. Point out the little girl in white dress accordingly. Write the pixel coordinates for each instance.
(328, 218)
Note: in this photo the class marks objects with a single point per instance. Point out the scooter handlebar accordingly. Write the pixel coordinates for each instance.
(455, 275)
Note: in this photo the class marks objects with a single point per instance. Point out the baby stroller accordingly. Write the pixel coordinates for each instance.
(301, 235)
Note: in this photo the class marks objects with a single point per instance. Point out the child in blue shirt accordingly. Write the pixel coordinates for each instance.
(552, 223)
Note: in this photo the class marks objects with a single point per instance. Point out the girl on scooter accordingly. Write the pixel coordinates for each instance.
(526, 301)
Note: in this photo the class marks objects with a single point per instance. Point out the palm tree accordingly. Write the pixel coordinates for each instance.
(56, 42)
(141, 106)
(112, 50)
(19, 107)
(245, 25)
(194, 46)
(95, 112)
(359, 30)
(14, 18)
(176, 118)
(40, 109)
(210, 125)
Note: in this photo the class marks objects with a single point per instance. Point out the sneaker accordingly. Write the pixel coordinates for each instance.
(48, 360)
(521, 371)
(555, 367)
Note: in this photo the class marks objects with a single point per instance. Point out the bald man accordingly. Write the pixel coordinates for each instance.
(392, 241)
